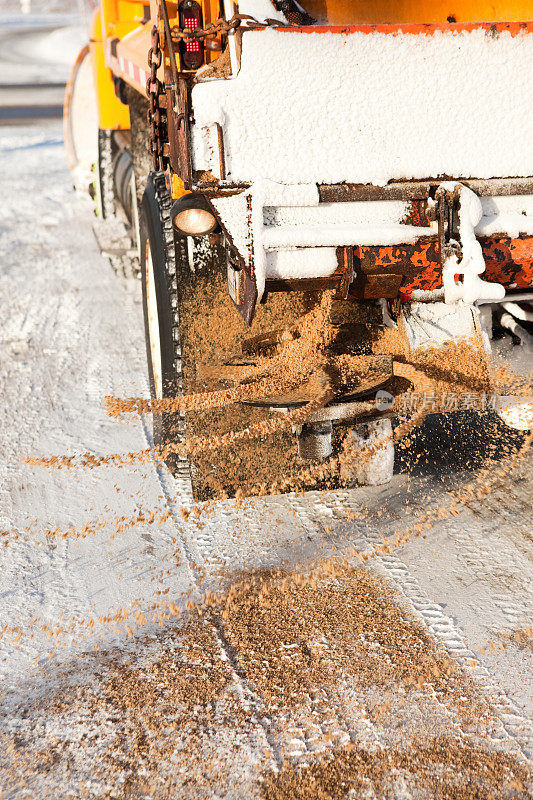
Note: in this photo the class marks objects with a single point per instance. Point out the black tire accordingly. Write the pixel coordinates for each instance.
(118, 235)
(104, 188)
(157, 239)
(140, 135)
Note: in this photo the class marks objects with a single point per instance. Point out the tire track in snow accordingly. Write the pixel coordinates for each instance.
(65, 345)
(247, 694)
(513, 725)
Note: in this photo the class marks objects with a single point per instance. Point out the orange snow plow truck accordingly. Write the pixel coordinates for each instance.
(296, 179)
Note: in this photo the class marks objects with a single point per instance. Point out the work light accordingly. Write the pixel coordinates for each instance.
(191, 216)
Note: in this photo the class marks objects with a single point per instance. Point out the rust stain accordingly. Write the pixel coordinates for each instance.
(416, 214)
(490, 28)
(508, 261)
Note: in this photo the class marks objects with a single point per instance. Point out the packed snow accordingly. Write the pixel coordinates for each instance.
(511, 215)
(303, 262)
(469, 288)
(399, 106)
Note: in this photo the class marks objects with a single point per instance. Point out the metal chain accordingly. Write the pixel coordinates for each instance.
(223, 26)
(154, 88)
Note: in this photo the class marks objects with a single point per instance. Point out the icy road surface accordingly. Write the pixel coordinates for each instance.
(251, 699)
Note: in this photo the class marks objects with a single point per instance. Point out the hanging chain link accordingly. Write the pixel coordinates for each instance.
(154, 89)
(223, 26)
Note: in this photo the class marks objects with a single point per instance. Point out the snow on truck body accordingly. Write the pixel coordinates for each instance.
(358, 108)
(322, 105)
(321, 147)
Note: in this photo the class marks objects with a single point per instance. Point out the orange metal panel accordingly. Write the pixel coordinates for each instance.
(508, 261)
(357, 12)
(515, 28)
(121, 16)
(130, 61)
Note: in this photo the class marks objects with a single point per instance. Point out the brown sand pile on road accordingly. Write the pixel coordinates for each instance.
(443, 769)
(140, 730)
(330, 654)
(338, 629)
(346, 622)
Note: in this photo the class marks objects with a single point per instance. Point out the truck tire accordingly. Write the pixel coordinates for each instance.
(190, 275)
(104, 181)
(140, 135)
(161, 322)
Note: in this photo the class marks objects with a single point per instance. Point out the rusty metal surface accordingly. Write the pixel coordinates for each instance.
(344, 272)
(207, 183)
(417, 214)
(178, 114)
(419, 190)
(508, 261)
(428, 29)
(301, 284)
(156, 115)
(168, 43)
(242, 290)
(221, 156)
(409, 260)
(221, 26)
(375, 286)
(448, 215)
(349, 192)
(400, 190)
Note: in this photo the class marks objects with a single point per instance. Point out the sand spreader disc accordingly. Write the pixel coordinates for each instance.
(368, 373)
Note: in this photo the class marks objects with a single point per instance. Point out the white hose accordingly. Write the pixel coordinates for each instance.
(518, 312)
(510, 323)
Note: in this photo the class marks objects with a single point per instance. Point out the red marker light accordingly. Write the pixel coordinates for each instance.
(191, 50)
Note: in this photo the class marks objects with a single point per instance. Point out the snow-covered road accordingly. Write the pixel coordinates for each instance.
(70, 334)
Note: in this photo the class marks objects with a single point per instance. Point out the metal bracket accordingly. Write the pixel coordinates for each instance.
(448, 206)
